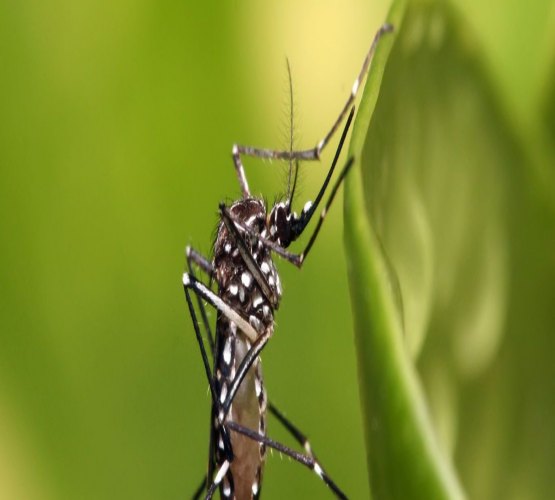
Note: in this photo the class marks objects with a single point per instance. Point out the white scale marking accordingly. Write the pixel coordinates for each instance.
(318, 469)
(246, 279)
(223, 393)
(222, 306)
(227, 351)
(307, 206)
(265, 268)
(266, 311)
(233, 289)
(222, 472)
(227, 247)
(257, 386)
(254, 488)
(258, 299)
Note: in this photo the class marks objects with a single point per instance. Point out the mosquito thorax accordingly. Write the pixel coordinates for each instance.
(235, 278)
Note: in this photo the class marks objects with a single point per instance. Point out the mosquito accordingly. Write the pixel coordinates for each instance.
(248, 294)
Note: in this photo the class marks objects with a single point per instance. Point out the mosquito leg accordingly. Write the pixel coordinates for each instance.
(190, 282)
(297, 228)
(194, 257)
(199, 490)
(217, 480)
(313, 153)
(200, 260)
(300, 224)
(201, 344)
(227, 443)
(346, 168)
(308, 461)
(258, 340)
(244, 367)
(293, 430)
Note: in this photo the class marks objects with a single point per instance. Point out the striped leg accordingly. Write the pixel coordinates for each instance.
(307, 460)
(315, 152)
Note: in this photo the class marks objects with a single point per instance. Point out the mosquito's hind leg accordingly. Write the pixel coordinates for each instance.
(315, 152)
(307, 460)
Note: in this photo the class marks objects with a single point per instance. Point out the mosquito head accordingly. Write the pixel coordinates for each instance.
(286, 226)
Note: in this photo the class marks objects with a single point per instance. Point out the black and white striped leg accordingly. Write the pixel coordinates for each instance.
(299, 436)
(222, 471)
(190, 282)
(307, 460)
(246, 363)
(257, 339)
(315, 152)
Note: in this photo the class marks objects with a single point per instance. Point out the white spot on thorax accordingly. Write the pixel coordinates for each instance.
(233, 289)
(258, 299)
(266, 311)
(255, 488)
(246, 279)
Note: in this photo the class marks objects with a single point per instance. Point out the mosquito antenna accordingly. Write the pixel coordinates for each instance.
(291, 106)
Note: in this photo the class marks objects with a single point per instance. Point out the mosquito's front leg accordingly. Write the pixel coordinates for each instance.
(315, 152)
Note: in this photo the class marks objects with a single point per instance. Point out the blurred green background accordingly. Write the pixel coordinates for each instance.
(116, 126)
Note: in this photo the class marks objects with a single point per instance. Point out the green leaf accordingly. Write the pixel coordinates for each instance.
(426, 238)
